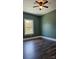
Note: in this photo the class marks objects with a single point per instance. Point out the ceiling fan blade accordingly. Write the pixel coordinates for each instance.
(45, 6)
(35, 6)
(45, 2)
(37, 2)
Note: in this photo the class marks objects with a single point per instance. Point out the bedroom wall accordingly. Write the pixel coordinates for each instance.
(43, 25)
(37, 24)
(49, 24)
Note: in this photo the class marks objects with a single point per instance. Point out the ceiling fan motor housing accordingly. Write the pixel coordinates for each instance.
(41, 4)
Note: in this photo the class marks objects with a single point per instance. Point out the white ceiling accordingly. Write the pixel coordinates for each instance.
(28, 7)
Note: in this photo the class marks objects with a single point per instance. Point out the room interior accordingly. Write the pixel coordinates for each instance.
(39, 29)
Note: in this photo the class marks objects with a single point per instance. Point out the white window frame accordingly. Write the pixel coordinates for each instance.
(32, 27)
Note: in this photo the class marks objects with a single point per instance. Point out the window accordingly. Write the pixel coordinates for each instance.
(28, 27)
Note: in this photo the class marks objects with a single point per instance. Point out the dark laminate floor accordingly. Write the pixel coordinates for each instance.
(39, 49)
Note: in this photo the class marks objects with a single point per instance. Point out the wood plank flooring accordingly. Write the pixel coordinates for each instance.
(39, 49)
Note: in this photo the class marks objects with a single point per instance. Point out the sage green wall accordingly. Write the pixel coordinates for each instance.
(37, 23)
(49, 24)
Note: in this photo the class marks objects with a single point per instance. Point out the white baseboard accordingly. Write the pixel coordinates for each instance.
(31, 38)
(40, 37)
(48, 38)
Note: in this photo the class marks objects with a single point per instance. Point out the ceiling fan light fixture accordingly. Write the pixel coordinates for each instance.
(40, 7)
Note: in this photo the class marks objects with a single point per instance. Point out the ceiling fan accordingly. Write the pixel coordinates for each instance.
(41, 4)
